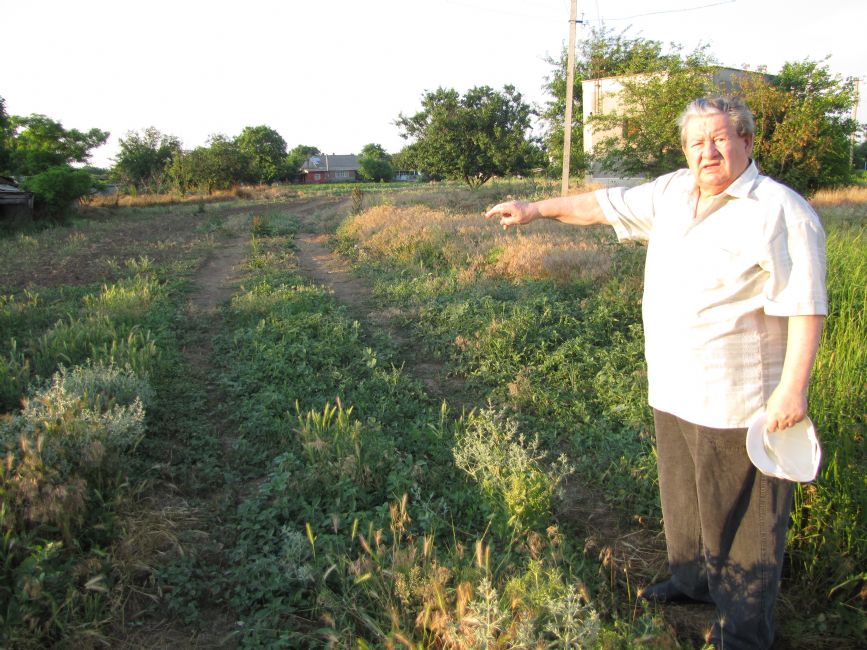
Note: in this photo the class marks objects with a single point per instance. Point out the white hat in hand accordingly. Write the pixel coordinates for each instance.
(793, 454)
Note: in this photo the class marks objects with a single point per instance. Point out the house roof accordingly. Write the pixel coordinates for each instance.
(331, 162)
(11, 194)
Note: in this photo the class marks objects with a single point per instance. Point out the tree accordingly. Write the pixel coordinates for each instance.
(38, 143)
(859, 154)
(180, 172)
(603, 54)
(144, 159)
(225, 163)
(375, 164)
(5, 129)
(41, 150)
(473, 137)
(265, 151)
(644, 137)
(296, 158)
(218, 166)
(804, 125)
(403, 160)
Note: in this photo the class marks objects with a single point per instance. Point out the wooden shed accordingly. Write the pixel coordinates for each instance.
(15, 203)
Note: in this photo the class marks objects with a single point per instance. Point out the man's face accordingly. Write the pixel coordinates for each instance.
(715, 153)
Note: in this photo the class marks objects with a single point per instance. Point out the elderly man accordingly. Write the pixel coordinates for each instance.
(734, 300)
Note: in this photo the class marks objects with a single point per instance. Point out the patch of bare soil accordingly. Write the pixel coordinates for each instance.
(218, 277)
(86, 253)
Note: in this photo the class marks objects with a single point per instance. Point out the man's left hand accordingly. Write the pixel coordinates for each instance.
(785, 409)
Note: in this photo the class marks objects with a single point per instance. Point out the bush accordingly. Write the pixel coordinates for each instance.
(80, 421)
(57, 189)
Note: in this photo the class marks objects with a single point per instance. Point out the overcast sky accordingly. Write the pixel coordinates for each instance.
(336, 73)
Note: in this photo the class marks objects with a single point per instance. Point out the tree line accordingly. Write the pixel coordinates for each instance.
(804, 122)
(151, 161)
(804, 131)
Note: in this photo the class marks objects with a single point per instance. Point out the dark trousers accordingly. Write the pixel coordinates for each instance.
(725, 527)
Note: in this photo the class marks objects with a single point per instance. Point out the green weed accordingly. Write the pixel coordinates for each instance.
(516, 482)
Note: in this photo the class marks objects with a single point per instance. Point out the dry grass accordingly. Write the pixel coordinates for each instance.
(418, 234)
(854, 194)
(552, 255)
(152, 531)
(845, 206)
(258, 192)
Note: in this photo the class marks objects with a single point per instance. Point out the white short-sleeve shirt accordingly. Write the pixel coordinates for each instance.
(718, 289)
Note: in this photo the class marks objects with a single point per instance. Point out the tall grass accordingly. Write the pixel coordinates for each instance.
(854, 196)
(829, 535)
(74, 389)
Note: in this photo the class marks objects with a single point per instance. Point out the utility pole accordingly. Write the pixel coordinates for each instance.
(570, 81)
(855, 118)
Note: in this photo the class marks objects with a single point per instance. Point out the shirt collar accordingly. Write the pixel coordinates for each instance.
(743, 184)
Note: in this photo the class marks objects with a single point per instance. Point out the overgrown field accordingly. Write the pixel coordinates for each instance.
(545, 321)
(297, 487)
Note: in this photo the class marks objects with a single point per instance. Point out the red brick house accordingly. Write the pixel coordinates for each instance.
(330, 168)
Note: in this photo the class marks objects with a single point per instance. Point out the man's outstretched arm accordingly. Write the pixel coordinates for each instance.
(579, 209)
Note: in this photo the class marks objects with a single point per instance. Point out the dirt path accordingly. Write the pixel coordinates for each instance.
(215, 282)
(318, 262)
(218, 278)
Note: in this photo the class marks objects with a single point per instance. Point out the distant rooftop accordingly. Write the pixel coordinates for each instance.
(331, 162)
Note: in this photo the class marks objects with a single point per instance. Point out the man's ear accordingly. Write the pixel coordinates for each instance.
(749, 140)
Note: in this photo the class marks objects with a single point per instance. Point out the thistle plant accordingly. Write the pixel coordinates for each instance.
(516, 481)
(572, 621)
(66, 440)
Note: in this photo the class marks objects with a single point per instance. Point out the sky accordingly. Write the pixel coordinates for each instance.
(336, 74)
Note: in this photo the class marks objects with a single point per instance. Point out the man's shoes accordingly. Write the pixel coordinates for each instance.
(666, 592)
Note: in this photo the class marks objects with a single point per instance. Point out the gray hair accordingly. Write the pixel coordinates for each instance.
(739, 115)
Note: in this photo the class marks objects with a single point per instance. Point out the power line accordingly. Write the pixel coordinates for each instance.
(500, 10)
(542, 13)
(673, 11)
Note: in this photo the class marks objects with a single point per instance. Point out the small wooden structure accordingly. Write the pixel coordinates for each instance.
(15, 203)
